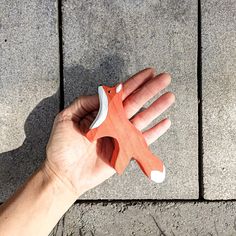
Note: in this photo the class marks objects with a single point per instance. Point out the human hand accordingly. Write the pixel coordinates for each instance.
(82, 165)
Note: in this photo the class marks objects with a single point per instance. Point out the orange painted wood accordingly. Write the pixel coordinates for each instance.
(128, 140)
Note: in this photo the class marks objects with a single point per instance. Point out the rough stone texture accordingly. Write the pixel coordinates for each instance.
(107, 41)
(190, 218)
(219, 98)
(29, 73)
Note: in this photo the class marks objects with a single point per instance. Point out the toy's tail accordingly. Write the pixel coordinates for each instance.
(152, 167)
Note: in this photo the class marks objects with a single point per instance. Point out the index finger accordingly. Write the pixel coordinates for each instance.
(136, 81)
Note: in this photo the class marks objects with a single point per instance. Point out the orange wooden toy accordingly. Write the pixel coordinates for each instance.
(129, 142)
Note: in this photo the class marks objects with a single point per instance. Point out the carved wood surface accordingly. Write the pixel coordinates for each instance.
(129, 142)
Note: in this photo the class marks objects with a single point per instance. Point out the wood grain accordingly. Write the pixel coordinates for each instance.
(129, 142)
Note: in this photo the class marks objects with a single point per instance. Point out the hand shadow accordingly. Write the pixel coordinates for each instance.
(18, 164)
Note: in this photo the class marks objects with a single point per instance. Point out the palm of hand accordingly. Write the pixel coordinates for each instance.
(70, 153)
(84, 165)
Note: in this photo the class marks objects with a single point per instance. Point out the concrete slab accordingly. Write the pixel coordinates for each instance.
(219, 98)
(106, 42)
(190, 218)
(29, 74)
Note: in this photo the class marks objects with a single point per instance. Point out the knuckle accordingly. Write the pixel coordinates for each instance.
(80, 97)
(78, 100)
(63, 115)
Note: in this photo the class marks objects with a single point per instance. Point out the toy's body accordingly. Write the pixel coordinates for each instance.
(128, 141)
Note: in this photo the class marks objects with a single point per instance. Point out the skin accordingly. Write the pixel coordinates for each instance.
(73, 165)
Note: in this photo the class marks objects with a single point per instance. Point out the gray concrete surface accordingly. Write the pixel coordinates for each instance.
(107, 41)
(166, 219)
(219, 98)
(29, 73)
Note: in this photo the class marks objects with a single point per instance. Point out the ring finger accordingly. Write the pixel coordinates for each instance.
(144, 118)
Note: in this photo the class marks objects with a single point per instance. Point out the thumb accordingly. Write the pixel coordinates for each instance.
(83, 105)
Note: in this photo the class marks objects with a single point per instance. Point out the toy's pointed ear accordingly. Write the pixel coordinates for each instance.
(118, 88)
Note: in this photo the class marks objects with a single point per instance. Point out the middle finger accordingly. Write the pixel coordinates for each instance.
(138, 98)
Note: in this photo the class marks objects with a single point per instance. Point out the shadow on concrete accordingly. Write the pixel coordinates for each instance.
(16, 165)
(110, 70)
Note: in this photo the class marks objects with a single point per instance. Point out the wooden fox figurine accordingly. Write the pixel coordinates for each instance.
(129, 142)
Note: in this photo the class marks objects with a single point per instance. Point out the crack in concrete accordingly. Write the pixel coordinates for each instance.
(159, 228)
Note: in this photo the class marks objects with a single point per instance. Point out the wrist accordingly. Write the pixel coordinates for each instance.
(43, 198)
(58, 184)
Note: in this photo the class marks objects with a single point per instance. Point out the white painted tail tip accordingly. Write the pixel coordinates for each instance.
(103, 109)
(118, 88)
(158, 176)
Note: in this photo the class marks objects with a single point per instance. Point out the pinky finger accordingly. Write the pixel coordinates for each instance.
(156, 131)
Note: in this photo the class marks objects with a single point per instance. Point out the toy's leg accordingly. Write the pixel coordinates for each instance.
(152, 167)
(119, 160)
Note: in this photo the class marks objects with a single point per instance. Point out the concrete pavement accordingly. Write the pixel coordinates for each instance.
(106, 42)
(219, 99)
(28, 87)
(165, 218)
